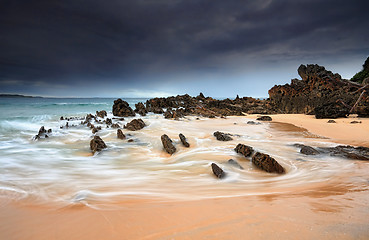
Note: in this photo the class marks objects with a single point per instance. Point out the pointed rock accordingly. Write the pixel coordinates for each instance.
(97, 144)
(120, 134)
(168, 144)
(183, 140)
(218, 172)
(267, 163)
(244, 150)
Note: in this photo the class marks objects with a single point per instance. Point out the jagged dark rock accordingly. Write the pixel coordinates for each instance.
(122, 109)
(234, 163)
(318, 87)
(42, 133)
(264, 118)
(183, 140)
(168, 144)
(108, 121)
(244, 150)
(222, 136)
(141, 109)
(97, 144)
(115, 125)
(120, 134)
(218, 172)
(101, 114)
(267, 163)
(307, 150)
(135, 124)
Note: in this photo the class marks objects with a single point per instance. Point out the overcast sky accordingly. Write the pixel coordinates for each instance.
(147, 48)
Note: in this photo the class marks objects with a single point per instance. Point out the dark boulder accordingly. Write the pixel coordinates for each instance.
(331, 121)
(168, 144)
(234, 163)
(267, 163)
(97, 144)
(307, 150)
(183, 140)
(120, 134)
(264, 118)
(135, 124)
(218, 172)
(108, 121)
(244, 150)
(101, 114)
(331, 110)
(122, 109)
(222, 136)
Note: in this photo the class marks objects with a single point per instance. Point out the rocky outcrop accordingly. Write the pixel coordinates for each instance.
(101, 114)
(267, 163)
(184, 140)
(122, 109)
(318, 87)
(220, 136)
(244, 150)
(168, 144)
(218, 172)
(120, 134)
(97, 144)
(140, 109)
(135, 124)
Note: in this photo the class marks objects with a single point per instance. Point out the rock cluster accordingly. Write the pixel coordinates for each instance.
(261, 160)
(42, 133)
(122, 109)
(349, 152)
(222, 136)
(101, 114)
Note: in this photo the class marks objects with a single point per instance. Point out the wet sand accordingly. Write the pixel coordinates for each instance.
(327, 210)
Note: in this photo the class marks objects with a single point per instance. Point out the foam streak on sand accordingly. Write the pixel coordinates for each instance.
(135, 190)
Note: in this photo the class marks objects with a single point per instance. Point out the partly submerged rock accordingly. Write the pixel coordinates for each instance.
(267, 163)
(135, 124)
(222, 136)
(140, 109)
(168, 144)
(307, 150)
(244, 150)
(264, 118)
(184, 140)
(234, 163)
(253, 123)
(350, 152)
(331, 121)
(218, 172)
(97, 144)
(42, 133)
(120, 134)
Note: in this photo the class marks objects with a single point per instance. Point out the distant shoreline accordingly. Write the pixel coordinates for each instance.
(17, 96)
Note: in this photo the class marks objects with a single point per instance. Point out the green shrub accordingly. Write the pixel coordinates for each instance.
(360, 76)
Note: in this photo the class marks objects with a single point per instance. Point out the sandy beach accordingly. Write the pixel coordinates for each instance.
(336, 209)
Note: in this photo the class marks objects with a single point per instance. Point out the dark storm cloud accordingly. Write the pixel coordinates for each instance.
(74, 40)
